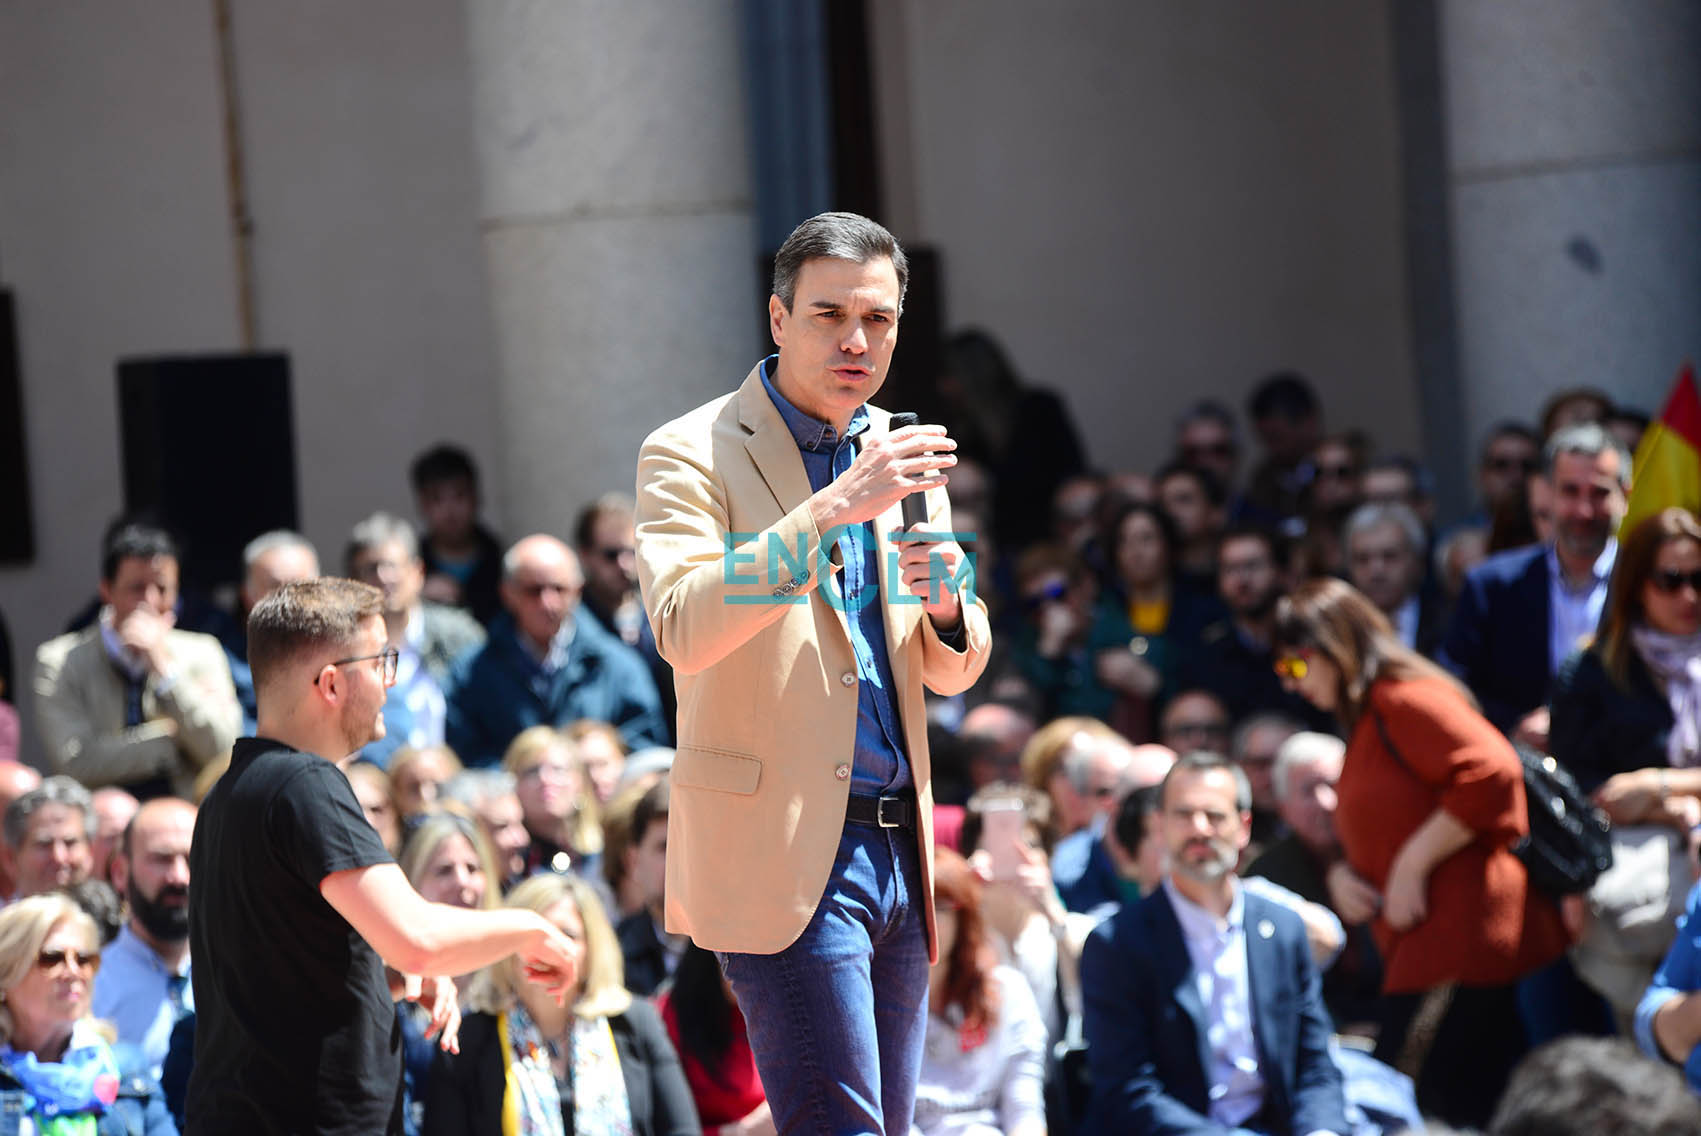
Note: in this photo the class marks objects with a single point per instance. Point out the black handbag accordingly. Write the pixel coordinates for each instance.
(1570, 840)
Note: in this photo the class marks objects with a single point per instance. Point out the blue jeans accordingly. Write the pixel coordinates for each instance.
(837, 1019)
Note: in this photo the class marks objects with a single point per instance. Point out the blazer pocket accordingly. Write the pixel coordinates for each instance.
(719, 770)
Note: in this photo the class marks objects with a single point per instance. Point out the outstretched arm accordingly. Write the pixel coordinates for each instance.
(419, 937)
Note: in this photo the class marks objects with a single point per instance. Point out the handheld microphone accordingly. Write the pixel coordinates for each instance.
(915, 505)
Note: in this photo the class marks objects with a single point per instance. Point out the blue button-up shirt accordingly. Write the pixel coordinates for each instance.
(1576, 612)
(878, 764)
(1217, 947)
(141, 996)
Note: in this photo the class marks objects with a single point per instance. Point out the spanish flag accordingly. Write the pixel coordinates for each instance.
(1667, 469)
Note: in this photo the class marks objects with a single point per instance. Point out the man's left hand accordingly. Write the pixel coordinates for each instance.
(929, 568)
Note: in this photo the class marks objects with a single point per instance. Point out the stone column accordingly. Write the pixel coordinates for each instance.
(1574, 132)
(617, 229)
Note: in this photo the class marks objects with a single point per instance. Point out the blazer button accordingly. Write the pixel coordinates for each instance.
(843, 771)
(848, 678)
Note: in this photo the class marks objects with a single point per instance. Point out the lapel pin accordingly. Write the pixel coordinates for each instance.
(1266, 928)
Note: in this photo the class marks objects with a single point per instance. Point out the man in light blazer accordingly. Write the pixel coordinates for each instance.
(1203, 1012)
(132, 701)
(801, 634)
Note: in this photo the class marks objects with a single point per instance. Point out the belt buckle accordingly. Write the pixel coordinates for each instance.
(880, 811)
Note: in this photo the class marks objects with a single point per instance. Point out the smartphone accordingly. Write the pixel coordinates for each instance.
(1002, 822)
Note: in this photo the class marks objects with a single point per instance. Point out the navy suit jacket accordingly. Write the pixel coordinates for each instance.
(496, 691)
(1498, 642)
(1146, 1029)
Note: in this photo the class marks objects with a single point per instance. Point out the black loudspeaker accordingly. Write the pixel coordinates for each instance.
(209, 453)
(17, 534)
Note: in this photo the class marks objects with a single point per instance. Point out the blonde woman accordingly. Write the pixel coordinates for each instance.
(448, 859)
(559, 808)
(58, 1066)
(529, 1067)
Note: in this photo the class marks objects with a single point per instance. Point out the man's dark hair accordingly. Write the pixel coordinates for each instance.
(1588, 1086)
(1247, 531)
(309, 616)
(129, 540)
(1211, 485)
(585, 526)
(376, 531)
(1132, 815)
(1287, 394)
(1208, 410)
(442, 462)
(838, 236)
(55, 790)
(1508, 428)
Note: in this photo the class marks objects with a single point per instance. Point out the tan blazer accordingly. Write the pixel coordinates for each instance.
(765, 672)
(79, 712)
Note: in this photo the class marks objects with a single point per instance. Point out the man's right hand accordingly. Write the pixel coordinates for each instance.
(889, 468)
(550, 961)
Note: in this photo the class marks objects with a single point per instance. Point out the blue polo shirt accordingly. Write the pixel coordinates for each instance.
(878, 765)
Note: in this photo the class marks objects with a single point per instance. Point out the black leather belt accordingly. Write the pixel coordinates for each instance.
(881, 812)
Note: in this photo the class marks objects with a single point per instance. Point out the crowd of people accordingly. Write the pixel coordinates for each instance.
(1225, 833)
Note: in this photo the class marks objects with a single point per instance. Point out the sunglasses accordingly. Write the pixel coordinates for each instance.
(1673, 582)
(52, 960)
(1292, 666)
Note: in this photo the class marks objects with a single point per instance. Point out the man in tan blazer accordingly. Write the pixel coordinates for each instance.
(130, 700)
(801, 634)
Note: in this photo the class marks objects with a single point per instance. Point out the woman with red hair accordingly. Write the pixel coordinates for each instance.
(983, 1061)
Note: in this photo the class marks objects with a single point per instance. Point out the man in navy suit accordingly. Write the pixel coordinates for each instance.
(1203, 1009)
(1523, 611)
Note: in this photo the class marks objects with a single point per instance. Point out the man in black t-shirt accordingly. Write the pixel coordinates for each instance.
(297, 906)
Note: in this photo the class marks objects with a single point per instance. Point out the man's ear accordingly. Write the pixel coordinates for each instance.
(120, 873)
(106, 592)
(776, 320)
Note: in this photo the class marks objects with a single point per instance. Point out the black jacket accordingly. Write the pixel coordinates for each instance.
(464, 1095)
(1599, 729)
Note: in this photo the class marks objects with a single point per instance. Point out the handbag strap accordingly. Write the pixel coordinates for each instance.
(1388, 740)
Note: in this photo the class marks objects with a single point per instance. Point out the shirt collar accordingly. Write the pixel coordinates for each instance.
(811, 433)
(131, 943)
(1199, 923)
(1601, 570)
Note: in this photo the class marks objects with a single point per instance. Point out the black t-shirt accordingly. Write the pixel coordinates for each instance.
(295, 1030)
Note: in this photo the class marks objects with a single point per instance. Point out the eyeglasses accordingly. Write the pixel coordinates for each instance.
(616, 555)
(79, 960)
(1337, 472)
(390, 655)
(1292, 666)
(1672, 583)
(1198, 729)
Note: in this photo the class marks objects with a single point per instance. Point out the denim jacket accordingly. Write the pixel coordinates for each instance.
(139, 1110)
